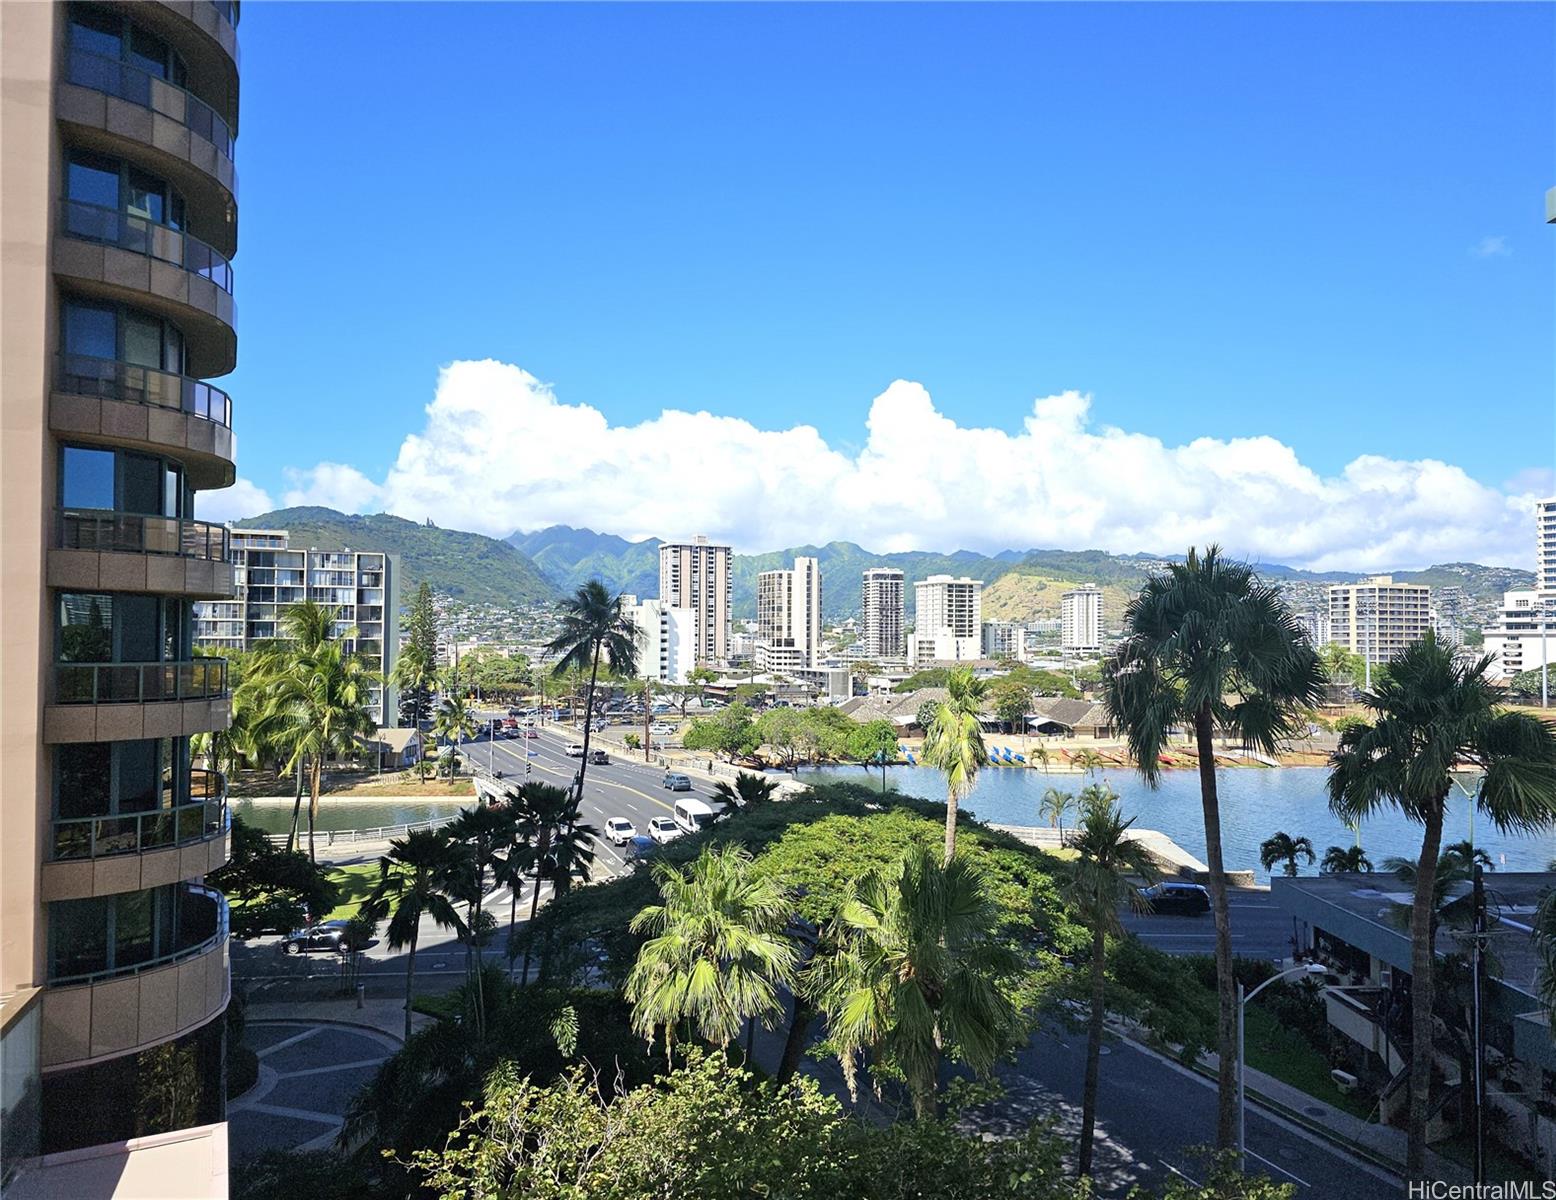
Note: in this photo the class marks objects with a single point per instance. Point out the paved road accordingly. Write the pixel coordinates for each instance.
(1259, 928)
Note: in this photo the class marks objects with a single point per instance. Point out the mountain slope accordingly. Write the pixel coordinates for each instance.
(469, 566)
(568, 557)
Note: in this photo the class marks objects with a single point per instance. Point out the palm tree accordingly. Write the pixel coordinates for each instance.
(1472, 854)
(749, 789)
(1345, 860)
(718, 955)
(1098, 883)
(562, 847)
(953, 741)
(416, 674)
(1054, 804)
(453, 722)
(1039, 754)
(1545, 944)
(918, 969)
(1089, 761)
(1429, 714)
(1283, 848)
(415, 879)
(1207, 644)
(593, 623)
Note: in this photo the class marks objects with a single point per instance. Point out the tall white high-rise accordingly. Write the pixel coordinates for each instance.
(788, 616)
(948, 619)
(1080, 617)
(882, 601)
(666, 638)
(696, 575)
(1545, 547)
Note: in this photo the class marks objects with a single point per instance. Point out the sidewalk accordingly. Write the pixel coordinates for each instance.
(382, 1016)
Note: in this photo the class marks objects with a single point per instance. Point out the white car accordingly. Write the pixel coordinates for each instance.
(661, 727)
(663, 829)
(575, 750)
(620, 831)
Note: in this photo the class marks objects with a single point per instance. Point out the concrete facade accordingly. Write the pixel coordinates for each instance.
(1080, 615)
(788, 617)
(882, 601)
(696, 575)
(1377, 618)
(948, 620)
(666, 638)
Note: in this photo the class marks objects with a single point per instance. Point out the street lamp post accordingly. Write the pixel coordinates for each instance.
(1242, 1057)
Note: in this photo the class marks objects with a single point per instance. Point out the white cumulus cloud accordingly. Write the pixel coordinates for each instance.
(1492, 247)
(243, 499)
(500, 452)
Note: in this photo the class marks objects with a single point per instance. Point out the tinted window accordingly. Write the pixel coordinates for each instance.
(86, 478)
(146, 196)
(93, 180)
(139, 778)
(149, 53)
(140, 484)
(142, 340)
(95, 31)
(85, 628)
(139, 639)
(91, 329)
(83, 778)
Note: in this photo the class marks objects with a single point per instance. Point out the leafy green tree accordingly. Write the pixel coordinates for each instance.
(779, 728)
(953, 741)
(918, 969)
(730, 732)
(824, 733)
(749, 790)
(1545, 946)
(1342, 666)
(1283, 848)
(1099, 884)
(717, 955)
(595, 628)
(270, 889)
(932, 677)
(417, 878)
(1207, 644)
(1342, 860)
(415, 670)
(698, 679)
(874, 744)
(1012, 701)
(925, 716)
(1429, 714)
(1525, 686)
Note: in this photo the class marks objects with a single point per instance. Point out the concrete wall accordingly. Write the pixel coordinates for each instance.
(190, 1164)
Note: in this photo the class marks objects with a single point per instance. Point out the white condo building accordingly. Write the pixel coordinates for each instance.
(1545, 547)
(947, 621)
(1377, 618)
(1314, 622)
(696, 575)
(1005, 639)
(1519, 639)
(1080, 621)
(363, 586)
(788, 617)
(666, 638)
(882, 604)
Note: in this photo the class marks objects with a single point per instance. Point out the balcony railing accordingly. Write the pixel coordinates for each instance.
(139, 683)
(141, 235)
(117, 78)
(203, 926)
(110, 379)
(103, 529)
(203, 816)
(229, 9)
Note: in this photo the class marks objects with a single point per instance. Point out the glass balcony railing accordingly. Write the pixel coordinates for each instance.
(203, 816)
(117, 78)
(202, 926)
(110, 379)
(229, 9)
(101, 529)
(139, 683)
(141, 235)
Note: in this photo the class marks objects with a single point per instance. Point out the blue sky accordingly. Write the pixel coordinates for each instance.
(1319, 224)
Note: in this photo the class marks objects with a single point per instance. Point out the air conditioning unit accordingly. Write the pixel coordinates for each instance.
(1343, 1080)
(1386, 977)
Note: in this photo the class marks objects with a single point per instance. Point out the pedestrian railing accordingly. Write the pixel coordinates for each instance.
(378, 833)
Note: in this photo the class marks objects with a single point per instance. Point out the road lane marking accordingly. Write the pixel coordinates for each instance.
(1277, 1166)
(1178, 1173)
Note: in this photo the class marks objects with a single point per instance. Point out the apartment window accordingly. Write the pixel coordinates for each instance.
(103, 189)
(114, 627)
(110, 35)
(123, 333)
(122, 481)
(119, 932)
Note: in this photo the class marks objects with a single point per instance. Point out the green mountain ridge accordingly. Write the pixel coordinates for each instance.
(468, 566)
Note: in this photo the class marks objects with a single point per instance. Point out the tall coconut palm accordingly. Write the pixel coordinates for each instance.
(562, 848)
(1283, 848)
(717, 956)
(918, 969)
(594, 625)
(953, 741)
(416, 878)
(1099, 882)
(1345, 860)
(1206, 644)
(1056, 802)
(1429, 714)
(453, 721)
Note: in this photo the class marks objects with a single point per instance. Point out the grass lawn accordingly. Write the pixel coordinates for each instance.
(1502, 1165)
(356, 882)
(1286, 1054)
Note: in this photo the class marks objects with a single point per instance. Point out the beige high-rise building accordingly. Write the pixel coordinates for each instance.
(882, 612)
(118, 221)
(1377, 618)
(696, 575)
(788, 616)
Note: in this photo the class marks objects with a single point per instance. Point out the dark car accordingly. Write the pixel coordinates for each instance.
(599, 758)
(327, 937)
(1184, 899)
(639, 848)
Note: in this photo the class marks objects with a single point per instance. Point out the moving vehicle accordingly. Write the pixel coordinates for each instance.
(328, 937)
(1185, 899)
(639, 848)
(661, 727)
(620, 831)
(574, 749)
(599, 758)
(693, 815)
(663, 829)
(510, 724)
(532, 733)
(676, 782)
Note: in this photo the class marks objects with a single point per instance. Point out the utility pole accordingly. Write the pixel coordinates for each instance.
(1477, 951)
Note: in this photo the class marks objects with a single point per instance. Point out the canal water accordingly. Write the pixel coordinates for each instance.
(275, 816)
(1255, 802)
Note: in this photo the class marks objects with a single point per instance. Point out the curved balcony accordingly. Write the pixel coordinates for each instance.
(205, 33)
(115, 702)
(105, 400)
(106, 1013)
(98, 550)
(140, 235)
(115, 108)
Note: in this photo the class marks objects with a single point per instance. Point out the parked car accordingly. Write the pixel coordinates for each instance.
(663, 829)
(599, 758)
(693, 815)
(620, 831)
(661, 727)
(1185, 899)
(574, 749)
(676, 782)
(327, 937)
(516, 712)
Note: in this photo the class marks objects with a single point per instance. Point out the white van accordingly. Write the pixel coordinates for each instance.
(693, 815)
